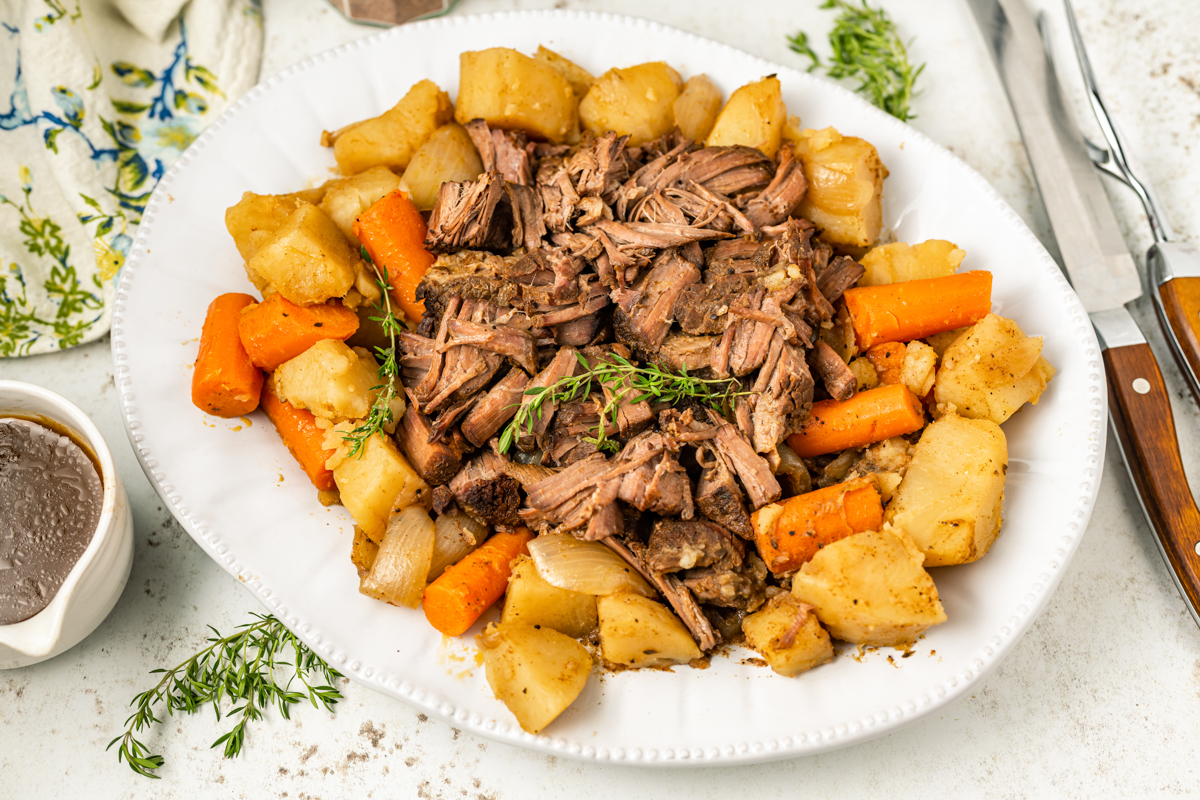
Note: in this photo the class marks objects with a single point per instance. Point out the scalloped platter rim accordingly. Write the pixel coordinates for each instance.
(236, 491)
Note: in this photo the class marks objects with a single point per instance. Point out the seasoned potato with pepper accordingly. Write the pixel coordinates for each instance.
(898, 261)
(697, 106)
(870, 588)
(375, 481)
(531, 600)
(536, 672)
(637, 101)
(348, 197)
(754, 117)
(636, 631)
(845, 186)
(393, 137)
(949, 501)
(992, 370)
(307, 259)
(331, 380)
(447, 155)
(788, 635)
(512, 91)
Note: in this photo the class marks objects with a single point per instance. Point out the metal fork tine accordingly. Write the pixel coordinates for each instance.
(1117, 164)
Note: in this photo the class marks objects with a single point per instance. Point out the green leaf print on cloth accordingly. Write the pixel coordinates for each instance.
(99, 105)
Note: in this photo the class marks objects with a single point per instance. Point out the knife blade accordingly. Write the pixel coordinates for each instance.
(1103, 273)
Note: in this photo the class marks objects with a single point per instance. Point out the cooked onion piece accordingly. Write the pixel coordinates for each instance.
(588, 567)
(402, 565)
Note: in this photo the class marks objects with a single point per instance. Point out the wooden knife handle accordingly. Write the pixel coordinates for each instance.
(1141, 413)
(1181, 306)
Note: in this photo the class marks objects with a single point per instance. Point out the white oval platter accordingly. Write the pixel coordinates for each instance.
(236, 490)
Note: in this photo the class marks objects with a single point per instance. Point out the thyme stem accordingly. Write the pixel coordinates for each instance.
(389, 368)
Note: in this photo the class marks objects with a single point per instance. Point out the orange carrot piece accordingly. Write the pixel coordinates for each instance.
(393, 231)
(901, 312)
(277, 330)
(888, 361)
(465, 590)
(298, 429)
(224, 382)
(811, 521)
(868, 417)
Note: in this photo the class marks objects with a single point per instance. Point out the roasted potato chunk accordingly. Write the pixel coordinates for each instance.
(754, 117)
(331, 380)
(447, 155)
(375, 481)
(898, 261)
(512, 91)
(992, 370)
(531, 600)
(391, 139)
(579, 78)
(870, 588)
(307, 259)
(845, 186)
(919, 368)
(536, 672)
(346, 198)
(636, 101)
(636, 631)
(697, 106)
(949, 501)
(788, 636)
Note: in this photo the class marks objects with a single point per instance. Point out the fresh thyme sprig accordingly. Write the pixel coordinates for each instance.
(389, 368)
(621, 377)
(240, 667)
(867, 46)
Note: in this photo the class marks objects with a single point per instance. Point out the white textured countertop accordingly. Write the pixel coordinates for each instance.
(1101, 697)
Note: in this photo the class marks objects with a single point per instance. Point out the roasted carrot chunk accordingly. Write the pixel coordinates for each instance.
(865, 418)
(465, 590)
(393, 231)
(277, 330)
(224, 381)
(299, 431)
(901, 312)
(791, 534)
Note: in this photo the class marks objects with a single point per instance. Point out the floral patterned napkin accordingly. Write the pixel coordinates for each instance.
(97, 99)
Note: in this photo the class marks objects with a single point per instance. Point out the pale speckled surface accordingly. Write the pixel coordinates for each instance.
(1100, 698)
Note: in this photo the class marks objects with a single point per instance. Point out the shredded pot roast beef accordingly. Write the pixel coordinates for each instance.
(557, 259)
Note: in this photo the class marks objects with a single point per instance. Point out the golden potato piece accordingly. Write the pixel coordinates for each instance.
(330, 380)
(697, 106)
(754, 117)
(256, 217)
(636, 631)
(579, 78)
(919, 368)
(447, 155)
(362, 551)
(870, 588)
(636, 101)
(391, 139)
(307, 259)
(788, 635)
(992, 370)
(845, 186)
(348, 197)
(375, 481)
(898, 261)
(536, 672)
(531, 600)
(512, 91)
(949, 501)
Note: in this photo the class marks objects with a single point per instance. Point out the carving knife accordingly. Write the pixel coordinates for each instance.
(1104, 275)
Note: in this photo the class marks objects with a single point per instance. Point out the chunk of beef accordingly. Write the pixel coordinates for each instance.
(600, 166)
(653, 478)
(435, 462)
(703, 308)
(483, 490)
(504, 340)
(841, 273)
(648, 321)
(730, 584)
(718, 495)
(724, 170)
(561, 366)
(676, 545)
(500, 151)
(783, 395)
(839, 381)
(495, 408)
(752, 469)
(783, 194)
(470, 274)
(465, 215)
(681, 351)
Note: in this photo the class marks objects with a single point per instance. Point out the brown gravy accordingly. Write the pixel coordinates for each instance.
(51, 497)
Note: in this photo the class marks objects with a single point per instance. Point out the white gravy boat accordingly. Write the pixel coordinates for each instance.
(95, 582)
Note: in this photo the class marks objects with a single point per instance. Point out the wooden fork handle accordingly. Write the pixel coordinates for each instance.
(1141, 414)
